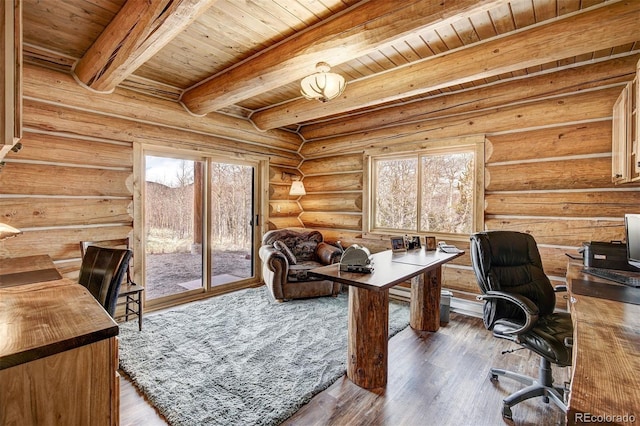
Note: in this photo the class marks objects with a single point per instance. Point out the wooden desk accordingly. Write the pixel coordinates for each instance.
(605, 379)
(369, 306)
(58, 354)
(26, 270)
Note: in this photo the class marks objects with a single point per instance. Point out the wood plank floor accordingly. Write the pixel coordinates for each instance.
(434, 378)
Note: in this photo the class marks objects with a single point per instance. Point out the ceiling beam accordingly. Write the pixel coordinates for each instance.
(136, 33)
(613, 24)
(573, 78)
(357, 32)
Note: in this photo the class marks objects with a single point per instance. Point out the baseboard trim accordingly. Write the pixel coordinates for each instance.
(458, 305)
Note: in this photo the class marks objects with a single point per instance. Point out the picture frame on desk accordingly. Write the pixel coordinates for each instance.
(414, 243)
(397, 244)
(430, 243)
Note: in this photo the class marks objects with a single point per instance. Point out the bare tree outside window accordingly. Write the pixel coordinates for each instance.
(175, 205)
(447, 193)
(231, 205)
(397, 194)
(445, 182)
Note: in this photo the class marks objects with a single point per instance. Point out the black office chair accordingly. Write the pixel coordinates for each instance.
(101, 272)
(519, 306)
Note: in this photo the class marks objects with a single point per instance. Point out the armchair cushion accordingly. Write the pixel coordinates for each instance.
(299, 272)
(279, 245)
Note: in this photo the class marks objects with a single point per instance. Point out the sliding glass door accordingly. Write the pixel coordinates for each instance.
(173, 226)
(200, 225)
(232, 214)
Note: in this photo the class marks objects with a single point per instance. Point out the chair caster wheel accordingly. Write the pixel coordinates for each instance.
(493, 378)
(506, 412)
(545, 399)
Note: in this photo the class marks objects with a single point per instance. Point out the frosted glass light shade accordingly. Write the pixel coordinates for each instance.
(7, 231)
(322, 85)
(297, 188)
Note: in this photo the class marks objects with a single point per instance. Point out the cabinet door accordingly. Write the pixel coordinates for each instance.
(620, 149)
(10, 74)
(635, 125)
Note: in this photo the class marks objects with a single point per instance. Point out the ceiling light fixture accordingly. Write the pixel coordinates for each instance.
(322, 85)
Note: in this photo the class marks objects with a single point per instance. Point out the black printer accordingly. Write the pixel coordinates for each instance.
(612, 255)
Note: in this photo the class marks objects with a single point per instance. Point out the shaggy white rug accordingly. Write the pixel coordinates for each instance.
(240, 358)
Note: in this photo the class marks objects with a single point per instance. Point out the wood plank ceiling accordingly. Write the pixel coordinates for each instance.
(246, 58)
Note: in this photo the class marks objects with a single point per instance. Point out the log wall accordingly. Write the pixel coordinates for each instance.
(547, 162)
(73, 178)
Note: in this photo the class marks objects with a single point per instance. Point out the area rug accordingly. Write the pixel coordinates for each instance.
(240, 358)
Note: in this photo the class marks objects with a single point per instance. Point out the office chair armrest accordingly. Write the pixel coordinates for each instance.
(527, 306)
(560, 288)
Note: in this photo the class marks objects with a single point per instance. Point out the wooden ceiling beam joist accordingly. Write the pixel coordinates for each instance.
(611, 25)
(135, 34)
(355, 33)
(571, 79)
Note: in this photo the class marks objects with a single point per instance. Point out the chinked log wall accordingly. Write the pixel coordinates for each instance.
(73, 179)
(547, 161)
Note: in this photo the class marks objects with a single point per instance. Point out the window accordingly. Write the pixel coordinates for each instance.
(428, 192)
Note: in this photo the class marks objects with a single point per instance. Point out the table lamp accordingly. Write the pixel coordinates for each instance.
(6, 231)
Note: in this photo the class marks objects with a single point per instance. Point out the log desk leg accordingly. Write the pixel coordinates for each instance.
(367, 352)
(368, 337)
(425, 300)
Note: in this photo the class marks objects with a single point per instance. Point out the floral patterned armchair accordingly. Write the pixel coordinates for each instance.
(288, 254)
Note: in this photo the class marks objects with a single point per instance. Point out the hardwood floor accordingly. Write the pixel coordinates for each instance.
(135, 409)
(434, 378)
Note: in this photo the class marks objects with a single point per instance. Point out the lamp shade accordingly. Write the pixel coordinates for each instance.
(7, 231)
(322, 85)
(297, 188)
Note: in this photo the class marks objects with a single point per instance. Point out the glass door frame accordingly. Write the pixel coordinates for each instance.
(260, 202)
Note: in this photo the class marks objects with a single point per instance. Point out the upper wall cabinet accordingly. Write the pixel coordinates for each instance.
(625, 149)
(11, 74)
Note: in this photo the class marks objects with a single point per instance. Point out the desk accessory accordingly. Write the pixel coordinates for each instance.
(600, 290)
(356, 259)
(398, 244)
(448, 248)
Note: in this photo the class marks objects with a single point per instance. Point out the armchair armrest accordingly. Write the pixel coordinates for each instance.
(328, 254)
(530, 310)
(273, 259)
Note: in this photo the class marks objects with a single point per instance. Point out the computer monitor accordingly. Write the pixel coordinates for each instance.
(632, 231)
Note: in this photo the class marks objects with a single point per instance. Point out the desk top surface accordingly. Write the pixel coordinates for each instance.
(44, 318)
(26, 270)
(606, 355)
(389, 268)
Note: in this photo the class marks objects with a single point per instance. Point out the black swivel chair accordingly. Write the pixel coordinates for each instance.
(101, 272)
(519, 306)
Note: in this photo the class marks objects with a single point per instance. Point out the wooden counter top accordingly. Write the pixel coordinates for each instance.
(606, 357)
(26, 270)
(45, 318)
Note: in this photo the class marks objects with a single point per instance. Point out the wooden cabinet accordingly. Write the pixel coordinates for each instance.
(58, 351)
(11, 74)
(620, 138)
(625, 149)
